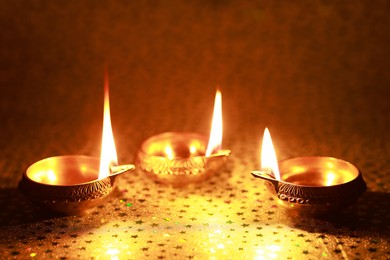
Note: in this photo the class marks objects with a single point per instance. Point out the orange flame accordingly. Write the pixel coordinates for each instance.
(268, 155)
(108, 156)
(215, 140)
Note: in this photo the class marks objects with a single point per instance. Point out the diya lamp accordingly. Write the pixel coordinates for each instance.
(72, 184)
(311, 185)
(180, 158)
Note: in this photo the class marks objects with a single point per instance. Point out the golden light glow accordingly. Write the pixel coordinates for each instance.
(268, 155)
(269, 252)
(330, 178)
(296, 169)
(48, 177)
(108, 156)
(51, 176)
(113, 253)
(215, 140)
(169, 152)
(220, 246)
(193, 149)
(330, 165)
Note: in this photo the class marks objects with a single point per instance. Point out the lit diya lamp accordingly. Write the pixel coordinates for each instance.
(310, 185)
(179, 158)
(72, 184)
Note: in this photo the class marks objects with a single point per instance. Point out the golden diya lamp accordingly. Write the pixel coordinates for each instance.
(72, 184)
(180, 158)
(311, 185)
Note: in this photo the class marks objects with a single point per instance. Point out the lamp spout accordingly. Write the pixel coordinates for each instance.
(119, 169)
(266, 174)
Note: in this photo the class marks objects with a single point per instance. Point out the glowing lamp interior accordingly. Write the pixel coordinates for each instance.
(64, 170)
(318, 171)
(184, 150)
(215, 140)
(108, 155)
(268, 155)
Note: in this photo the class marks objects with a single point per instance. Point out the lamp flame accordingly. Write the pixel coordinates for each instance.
(268, 155)
(215, 140)
(108, 155)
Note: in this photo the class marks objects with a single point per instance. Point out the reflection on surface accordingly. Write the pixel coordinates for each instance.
(267, 252)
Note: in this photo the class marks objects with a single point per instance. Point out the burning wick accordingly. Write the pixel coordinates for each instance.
(179, 158)
(71, 184)
(269, 162)
(184, 147)
(310, 185)
(108, 155)
(215, 141)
